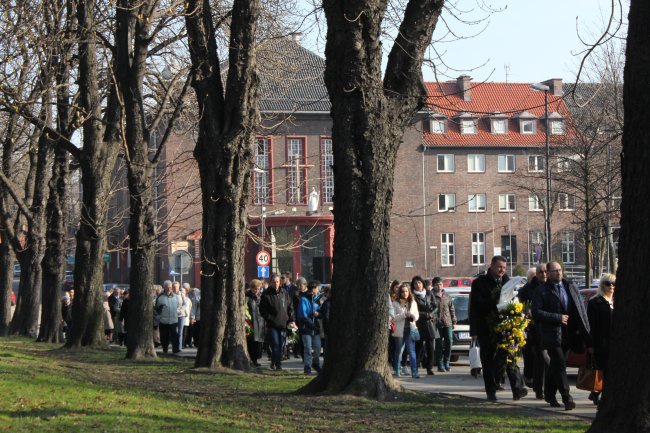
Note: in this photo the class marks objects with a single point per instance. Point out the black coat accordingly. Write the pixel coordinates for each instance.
(526, 295)
(548, 311)
(600, 321)
(276, 308)
(483, 301)
(428, 314)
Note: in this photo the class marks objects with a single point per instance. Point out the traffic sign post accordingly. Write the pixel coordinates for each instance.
(263, 258)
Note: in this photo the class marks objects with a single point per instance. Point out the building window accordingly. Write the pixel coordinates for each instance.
(262, 171)
(296, 171)
(438, 126)
(534, 203)
(566, 201)
(557, 127)
(446, 163)
(478, 248)
(409, 264)
(535, 163)
(447, 249)
(537, 246)
(568, 247)
(468, 126)
(527, 126)
(476, 202)
(327, 172)
(446, 202)
(507, 203)
(506, 164)
(499, 126)
(475, 163)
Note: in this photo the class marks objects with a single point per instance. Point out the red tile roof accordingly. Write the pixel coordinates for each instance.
(486, 98)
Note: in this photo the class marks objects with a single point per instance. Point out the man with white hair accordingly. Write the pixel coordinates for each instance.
(167, 309)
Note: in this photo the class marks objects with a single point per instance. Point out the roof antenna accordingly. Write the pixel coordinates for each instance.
(506, 67)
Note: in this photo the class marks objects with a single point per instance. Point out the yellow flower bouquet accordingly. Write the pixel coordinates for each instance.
(509, 330)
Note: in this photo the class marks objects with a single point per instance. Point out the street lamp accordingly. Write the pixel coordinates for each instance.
(547, 214)
(435, 259)
(512, 218)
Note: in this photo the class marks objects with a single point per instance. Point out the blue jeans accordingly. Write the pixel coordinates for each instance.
(407, 341)
(277, 339)
(311, 343)
(179, 330)
(443, 346)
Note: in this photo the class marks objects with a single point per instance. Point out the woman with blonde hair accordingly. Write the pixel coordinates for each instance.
(599, 311)
(405, 314)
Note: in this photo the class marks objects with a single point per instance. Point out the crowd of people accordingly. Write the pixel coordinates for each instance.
(421, 322)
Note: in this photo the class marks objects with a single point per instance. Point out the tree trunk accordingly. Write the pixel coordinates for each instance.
(6, 283)
(224, 152)
(625, 406)
(55, 260)
(369, 118)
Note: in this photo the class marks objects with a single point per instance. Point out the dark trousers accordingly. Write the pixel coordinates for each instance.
(169, 334)
(494, 362)
(277, 339)
(425, 353)
(254, 348)
(556, 379)
(443, 346)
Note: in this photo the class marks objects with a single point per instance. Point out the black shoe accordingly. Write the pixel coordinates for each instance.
(491, 397)
(278, 367)
(317, 368)
(430, 372)
(518, 395)
(528, 382)
(539, 395)
(569, 404)
(553, 402)
(447, 369)
(594, 396)
(441, 370)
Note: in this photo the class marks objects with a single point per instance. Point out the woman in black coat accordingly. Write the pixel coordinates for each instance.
(426, 324)
(600, 310)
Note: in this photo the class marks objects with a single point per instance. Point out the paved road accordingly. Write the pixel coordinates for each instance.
(459, 382)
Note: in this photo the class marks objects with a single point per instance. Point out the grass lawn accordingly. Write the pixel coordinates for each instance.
(46, 389)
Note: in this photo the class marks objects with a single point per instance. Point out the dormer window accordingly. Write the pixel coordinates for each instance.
(498, 123)
(468, 126)
(557, 127)
(438, 126)
(435, 123)
(527, 122)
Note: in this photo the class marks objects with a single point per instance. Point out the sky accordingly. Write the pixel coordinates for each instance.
(527, 41)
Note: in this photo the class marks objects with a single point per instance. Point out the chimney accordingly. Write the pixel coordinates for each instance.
(555, 86)
(297, 37)
(464, 87)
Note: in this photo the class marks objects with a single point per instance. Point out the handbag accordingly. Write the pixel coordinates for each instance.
(415, 334)
(392, 326)
(589, 377)
(474, 355)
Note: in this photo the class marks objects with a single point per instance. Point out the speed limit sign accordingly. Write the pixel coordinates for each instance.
(263, 258)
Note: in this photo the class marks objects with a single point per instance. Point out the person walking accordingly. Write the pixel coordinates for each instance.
(560, 312)
(256, 339)
(167, 309)
(483, 300)
(536, 359)
(445, 324)
(277, 310)
(600, 310)
(405, 315)
(426, 323)
(309, 327)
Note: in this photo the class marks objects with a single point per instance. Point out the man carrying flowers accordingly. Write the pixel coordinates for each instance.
(499, 334)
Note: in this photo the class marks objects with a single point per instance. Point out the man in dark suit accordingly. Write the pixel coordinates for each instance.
(482, 306)
(561, 315)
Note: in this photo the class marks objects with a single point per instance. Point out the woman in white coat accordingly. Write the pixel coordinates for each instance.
(405, 314)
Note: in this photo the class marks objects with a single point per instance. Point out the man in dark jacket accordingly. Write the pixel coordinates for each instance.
(535, 358)
(277, 310)
(482, 309)
(561, 315)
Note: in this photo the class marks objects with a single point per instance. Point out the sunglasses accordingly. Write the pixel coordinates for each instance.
(609, 283)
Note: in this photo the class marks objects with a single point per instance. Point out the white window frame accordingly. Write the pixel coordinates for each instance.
(409, 264)
(296, 174)
(504, 126)
(449, 165)
(449, 204)
(535, 203)
(503, 165)
(568, 247)
(438, 126)
(523, 123)
(327, 161)
(476, 202)
(476, 163)
(478, 248)
(566, 202)
(262, 177)
(557, 127)
(447, 250)
(507, 202)
(536, 163)
(468, 126)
